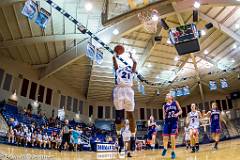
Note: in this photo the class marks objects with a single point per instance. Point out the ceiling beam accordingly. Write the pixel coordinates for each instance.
(149, 48)
(220, 26)
(181, 6)
(40, 39)
(78, 51)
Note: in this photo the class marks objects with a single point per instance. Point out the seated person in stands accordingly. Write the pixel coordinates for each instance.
(58, 141)
(28, 137)
(39, 139)
(46, 141)
(34, 138)
(22, 137)
(17, 135)
(10, 135)
(52, 140)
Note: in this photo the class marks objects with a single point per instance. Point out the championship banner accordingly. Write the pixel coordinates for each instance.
(61, 114)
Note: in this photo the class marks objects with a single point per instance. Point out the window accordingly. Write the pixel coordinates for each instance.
(1, 76)
(62, 101)
(100, 111)
(107, 112)
(113, 113)
(90, 111)
(49, 96)
(41, 93)
(81, 107)
(142, 114)
(155, 115)
(75, 105)
(69, 103)
(148, 113)
(219, 104)
(24, 90)
(33, 90)
(224, 104)
(7, 82)
(229, 101)
(160, 114)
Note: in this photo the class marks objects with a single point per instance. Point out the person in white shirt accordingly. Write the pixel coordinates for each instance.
(58, 141)
(28, 138)
(10, 135)
(126, 136)
(193, 119)
(34, 138)
(39, 139)
(22, 137)
(46, 141)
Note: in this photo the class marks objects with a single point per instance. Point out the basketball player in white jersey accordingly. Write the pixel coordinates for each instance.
(123, 96)
(126, 135)
(193, 120)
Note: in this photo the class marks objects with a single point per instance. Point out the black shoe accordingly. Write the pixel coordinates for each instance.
(59, 149)
(216, 146)
(197, 148)
(193, 150)
(129, 154)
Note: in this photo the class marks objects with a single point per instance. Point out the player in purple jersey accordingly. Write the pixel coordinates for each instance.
(171, 111)
(215, 119)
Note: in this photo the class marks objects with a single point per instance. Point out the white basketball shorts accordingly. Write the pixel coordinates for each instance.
(123, 98)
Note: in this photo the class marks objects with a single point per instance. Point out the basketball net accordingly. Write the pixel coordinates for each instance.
(146, 18)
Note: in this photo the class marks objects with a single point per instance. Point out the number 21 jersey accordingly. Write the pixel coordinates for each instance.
(124, 76)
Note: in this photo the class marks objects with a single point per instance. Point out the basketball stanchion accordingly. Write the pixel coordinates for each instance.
(84, 30)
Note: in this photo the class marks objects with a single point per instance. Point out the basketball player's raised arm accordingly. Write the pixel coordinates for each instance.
(134, 63)
(115, 65)
(179, 109)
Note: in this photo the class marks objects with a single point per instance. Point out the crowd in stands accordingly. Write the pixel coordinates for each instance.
(31, 130)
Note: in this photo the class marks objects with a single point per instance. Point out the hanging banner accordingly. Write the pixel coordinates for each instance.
(61, 114)
(42, 18)
(90, 53)
(29, 9)
(99, 56)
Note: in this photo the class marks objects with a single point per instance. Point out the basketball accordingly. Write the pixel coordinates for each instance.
(119, 49)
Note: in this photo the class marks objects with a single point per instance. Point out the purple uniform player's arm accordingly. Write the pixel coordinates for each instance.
(179, 109)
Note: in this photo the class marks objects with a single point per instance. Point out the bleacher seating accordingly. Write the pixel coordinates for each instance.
(12, 112)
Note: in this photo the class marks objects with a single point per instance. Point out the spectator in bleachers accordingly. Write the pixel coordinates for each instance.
(58, 141)
(28, 136)
(22, 137)
(10, 135)
(46, 141)
(34, 138)
(39, 139)
(17, 135)
(52, 140)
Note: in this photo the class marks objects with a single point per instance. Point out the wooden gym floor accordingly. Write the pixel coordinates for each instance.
(228, 150)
